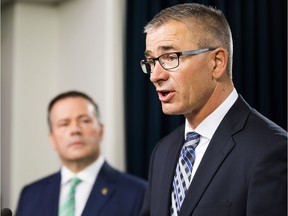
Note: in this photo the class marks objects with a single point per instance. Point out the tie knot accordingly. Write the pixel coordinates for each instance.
(74, 182)
(191, 136)
(192, 139)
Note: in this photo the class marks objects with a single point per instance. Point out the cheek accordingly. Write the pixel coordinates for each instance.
(94, 135)
(193, 86)
(188, 86)
(58, 140)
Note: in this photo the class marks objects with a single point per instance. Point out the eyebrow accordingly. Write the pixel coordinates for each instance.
(161, 48)
(77, 117)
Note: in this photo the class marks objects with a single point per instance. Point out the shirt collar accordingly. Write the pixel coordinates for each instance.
(89, 174)
(209, 125)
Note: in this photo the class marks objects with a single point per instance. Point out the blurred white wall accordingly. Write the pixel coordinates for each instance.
(48, 49)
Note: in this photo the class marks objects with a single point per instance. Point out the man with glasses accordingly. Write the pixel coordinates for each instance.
(227, 159)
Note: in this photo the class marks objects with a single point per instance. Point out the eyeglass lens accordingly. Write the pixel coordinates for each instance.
(167, 61)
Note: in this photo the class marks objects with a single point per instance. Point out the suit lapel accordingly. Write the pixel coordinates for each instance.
(102, 191)
(51, 195)
(219, 148)
(217, 151)
(170, 160)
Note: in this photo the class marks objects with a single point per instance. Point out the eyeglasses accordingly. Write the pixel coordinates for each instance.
(169, 60)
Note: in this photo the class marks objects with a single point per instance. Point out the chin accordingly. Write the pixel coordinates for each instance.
(169, 111)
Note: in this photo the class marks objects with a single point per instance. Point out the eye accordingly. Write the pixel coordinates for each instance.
(150, 61)
(169, 57)
(85, 120)
(63, 124)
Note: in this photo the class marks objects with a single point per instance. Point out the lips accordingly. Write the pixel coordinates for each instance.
(76, 144)
(165, 95)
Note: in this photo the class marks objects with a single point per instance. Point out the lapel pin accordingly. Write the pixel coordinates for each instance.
(104, 191)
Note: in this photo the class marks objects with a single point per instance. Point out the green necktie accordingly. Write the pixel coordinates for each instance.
(68, 207)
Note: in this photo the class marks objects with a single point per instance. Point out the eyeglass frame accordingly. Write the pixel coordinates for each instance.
(184, 53)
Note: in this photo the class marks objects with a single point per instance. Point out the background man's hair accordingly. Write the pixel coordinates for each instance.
(70, 94)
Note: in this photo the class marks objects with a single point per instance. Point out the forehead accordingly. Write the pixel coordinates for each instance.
(172, 35)
(71, 105)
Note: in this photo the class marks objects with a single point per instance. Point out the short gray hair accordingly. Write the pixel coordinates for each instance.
(212, 27)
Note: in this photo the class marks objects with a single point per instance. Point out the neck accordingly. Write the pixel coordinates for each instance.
(218, 96)
(78, 166)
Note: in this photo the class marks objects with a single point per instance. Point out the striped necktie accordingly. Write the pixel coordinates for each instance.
(68, 207)
(182, 177)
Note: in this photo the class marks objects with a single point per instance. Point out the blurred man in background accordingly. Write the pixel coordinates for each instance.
(86, 184)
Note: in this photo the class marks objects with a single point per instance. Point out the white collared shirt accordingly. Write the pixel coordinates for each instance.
(83, 190)
(208, 126)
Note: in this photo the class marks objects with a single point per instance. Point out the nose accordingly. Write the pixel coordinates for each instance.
(158, 73)
(75, 129)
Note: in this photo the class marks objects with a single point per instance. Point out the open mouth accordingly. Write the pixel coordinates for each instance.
(164, 93)
(165, 96)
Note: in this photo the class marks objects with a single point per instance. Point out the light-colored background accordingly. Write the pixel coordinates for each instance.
(46, 49)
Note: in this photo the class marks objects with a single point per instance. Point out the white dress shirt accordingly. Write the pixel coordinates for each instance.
(83, 190)
(207, 128)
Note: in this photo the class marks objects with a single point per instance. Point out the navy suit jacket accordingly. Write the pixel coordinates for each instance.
(242, 173)
(124, 195)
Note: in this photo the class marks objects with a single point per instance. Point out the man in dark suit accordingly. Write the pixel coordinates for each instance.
(99, 189)
(233, 160)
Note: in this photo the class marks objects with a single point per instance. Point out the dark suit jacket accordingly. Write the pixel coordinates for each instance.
(242, 173)
(124, 197)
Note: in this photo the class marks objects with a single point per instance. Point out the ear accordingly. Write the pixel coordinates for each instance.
(101, 130)
(220, 62)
